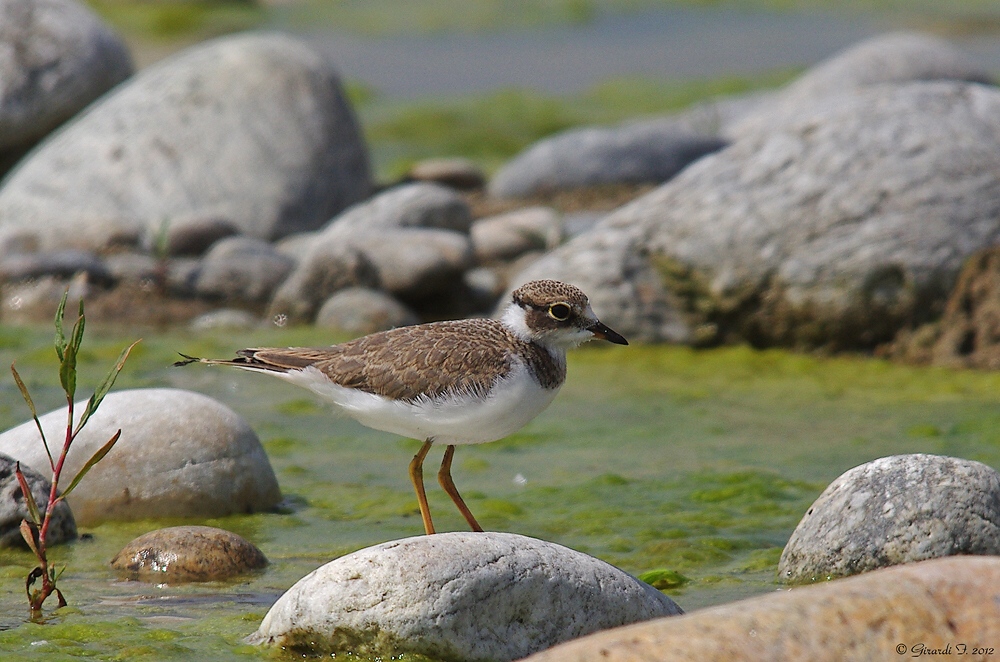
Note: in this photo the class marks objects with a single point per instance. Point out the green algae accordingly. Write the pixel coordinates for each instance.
(662, 460)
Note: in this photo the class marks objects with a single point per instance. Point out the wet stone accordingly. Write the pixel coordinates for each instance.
(188, 554)
(13, 508)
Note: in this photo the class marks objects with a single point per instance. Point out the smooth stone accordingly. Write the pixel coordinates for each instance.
(510, 235)
(648, 151)
(327, 267)
(134, 267)
(13, 510)
(56, 56)
(242, 268)
(458, 173)
(893, 57)
(360, 311)
(181, 454)
(193, 235)
(188, 554)
(225, 318)
(252, 129)
(900, 613)
(414, 263)
(182, 275)
(416, 205)
(457, 596)
(893, 186)
(894, 510)
(63, 264)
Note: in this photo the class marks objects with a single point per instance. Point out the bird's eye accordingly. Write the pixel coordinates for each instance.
(559, 312)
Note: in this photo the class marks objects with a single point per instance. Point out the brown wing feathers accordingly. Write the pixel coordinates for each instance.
(466, 356)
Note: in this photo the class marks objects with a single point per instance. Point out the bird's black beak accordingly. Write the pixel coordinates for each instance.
(604, 333)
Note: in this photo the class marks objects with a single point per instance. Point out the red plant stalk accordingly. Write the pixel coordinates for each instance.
(48, 586)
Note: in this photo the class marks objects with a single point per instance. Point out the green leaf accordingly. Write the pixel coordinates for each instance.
(34, 414)
(67, 371)
(29, 498)
(105, 387)
(60, 336)
(95, 458)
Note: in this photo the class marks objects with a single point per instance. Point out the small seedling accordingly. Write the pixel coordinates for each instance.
(35, 529)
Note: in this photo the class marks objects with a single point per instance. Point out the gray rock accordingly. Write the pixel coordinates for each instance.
(192, 235)
(457, 596)
(419, 205)
(62, 527)
(182, 275)
(181, 454)
(648, 151)
(510, 235)
(225, 318)
(845, 221)
(329, 266)
(63, 264)
(253, 130)
(242, 269)
(188, 554)
(134, 267)
(897, 57)
(297, 245)
(895, 510)
(414, 263)
(360, 311)
(56, 57)
(457, 173)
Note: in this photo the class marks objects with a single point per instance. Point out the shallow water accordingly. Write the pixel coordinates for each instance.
(650, 458)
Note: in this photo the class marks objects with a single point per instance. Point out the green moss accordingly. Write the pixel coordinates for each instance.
(664, 579)
(638, 472)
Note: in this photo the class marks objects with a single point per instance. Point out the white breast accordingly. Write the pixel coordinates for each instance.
(511, 404)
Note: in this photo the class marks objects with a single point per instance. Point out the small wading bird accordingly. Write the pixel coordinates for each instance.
(460, 382)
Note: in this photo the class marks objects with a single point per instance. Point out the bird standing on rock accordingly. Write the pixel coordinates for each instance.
(458, 382)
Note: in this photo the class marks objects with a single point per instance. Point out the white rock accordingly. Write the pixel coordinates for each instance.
(457, 596)
(180, 454)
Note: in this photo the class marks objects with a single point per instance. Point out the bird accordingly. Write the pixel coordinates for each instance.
(454, 382)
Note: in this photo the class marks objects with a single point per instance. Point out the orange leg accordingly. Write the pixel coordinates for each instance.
(417, 476)
(444, 477)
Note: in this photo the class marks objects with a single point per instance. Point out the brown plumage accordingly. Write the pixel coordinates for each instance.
(410, 363)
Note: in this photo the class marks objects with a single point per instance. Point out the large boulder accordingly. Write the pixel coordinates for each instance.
(56, 57)
(457, 596)
(253, 131)
(181, 454)
(648, 151)
(894, 510)
(940, 609)
(844, 221)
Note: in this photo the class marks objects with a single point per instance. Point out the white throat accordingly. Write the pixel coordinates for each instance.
(513, 319)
